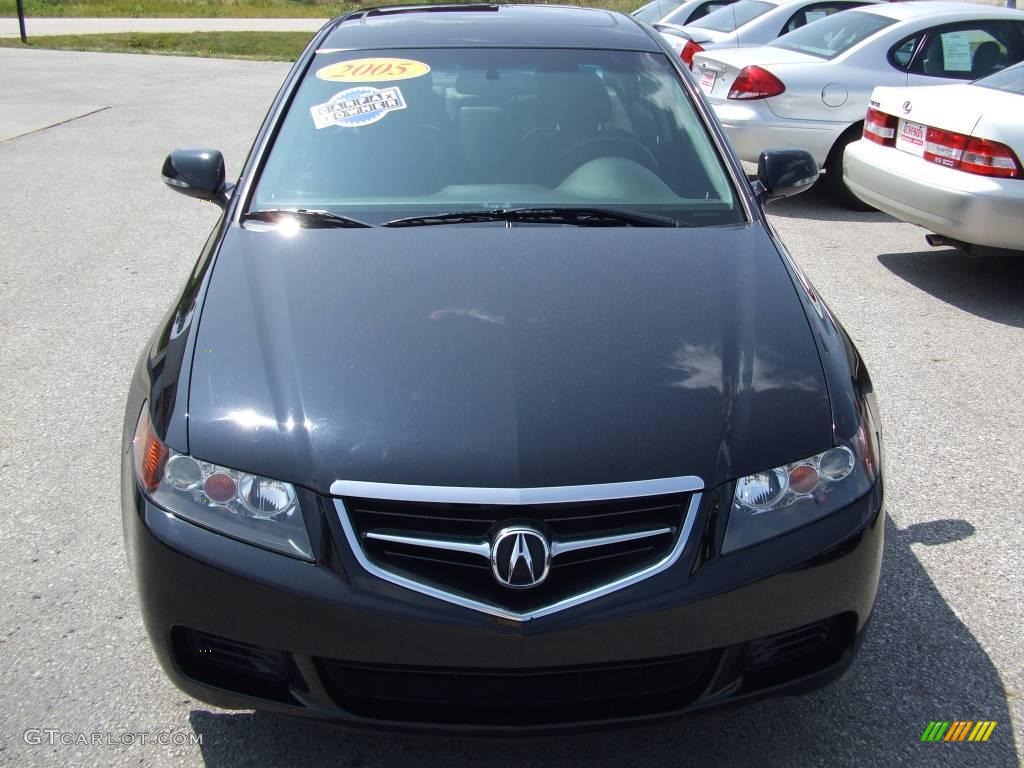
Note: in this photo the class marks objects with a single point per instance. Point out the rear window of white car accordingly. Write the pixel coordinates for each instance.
(687, 13)
(1010, 80)
(734, 16)
(830, 37)
(656, 10)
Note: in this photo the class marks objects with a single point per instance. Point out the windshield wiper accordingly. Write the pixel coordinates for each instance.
(313, 219)
(579, 217)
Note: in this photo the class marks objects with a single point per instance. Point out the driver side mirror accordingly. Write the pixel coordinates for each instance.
(784, 172)
(197, 173)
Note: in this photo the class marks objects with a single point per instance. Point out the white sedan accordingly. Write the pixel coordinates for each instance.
(810, 88)
(947, 159)
(746, 23)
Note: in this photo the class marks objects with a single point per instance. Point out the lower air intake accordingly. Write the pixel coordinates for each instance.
(233, 665)
(517, 697)
(798, 652)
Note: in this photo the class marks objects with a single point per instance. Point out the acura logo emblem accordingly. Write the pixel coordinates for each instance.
(520, 557)
(907, 106)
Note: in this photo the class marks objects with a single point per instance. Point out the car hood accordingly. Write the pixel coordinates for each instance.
(504, 357)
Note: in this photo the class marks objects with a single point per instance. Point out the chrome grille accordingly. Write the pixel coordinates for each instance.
(444, 548)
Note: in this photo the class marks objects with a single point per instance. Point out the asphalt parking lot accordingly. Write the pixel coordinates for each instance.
(93, 249)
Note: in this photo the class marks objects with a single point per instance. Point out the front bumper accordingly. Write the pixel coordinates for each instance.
(241, 627)
(964, 206)
(752, 128)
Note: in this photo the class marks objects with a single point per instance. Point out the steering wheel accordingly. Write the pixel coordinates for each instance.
(604, 146)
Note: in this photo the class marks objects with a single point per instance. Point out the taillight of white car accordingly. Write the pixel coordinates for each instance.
(755, 82)
(970, 154)
(689, 51)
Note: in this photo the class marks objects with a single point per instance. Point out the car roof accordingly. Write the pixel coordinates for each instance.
(914, 10)
(480, 26)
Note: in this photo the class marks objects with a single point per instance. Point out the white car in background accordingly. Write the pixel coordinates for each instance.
(947, 159)
(676, 12)
(746, 23)
(810, 89)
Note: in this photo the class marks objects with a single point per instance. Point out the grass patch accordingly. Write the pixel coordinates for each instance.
(224, 8)
(259, 46)
(179, 8)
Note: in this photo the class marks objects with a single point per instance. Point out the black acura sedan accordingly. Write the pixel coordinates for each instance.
(493, 403)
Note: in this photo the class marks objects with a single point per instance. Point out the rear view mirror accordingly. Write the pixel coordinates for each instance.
(785, 172)
(197, 173)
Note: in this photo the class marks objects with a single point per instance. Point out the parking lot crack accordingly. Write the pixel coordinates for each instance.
(54, 125)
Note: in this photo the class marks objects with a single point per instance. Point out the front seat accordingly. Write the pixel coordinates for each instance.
(987, 59)
(574, 105)
(483, 128)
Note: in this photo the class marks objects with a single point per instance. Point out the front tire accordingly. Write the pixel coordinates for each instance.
(834, 181)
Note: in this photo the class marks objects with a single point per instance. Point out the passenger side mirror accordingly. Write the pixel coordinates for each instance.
(197, 173)
(784, 172)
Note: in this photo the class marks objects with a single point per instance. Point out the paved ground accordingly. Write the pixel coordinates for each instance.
(72, 26)
(92, 249)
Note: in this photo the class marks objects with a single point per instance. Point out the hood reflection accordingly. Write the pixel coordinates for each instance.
(475, 314)
(701, 367)
(250, 419)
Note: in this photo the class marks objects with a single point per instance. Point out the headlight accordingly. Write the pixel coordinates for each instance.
(766, 504)
(249, 507)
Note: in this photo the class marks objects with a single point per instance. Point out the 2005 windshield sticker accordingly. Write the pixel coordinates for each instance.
(372, 70)
(356, 107)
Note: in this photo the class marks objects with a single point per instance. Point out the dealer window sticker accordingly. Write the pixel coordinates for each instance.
(376, 70)
(356, 107)
(956, 52)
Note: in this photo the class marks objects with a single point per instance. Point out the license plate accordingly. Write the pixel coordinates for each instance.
(707, 79)
(910, 137)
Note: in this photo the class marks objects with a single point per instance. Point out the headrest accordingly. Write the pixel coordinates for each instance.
(575, 98)
(474, 83)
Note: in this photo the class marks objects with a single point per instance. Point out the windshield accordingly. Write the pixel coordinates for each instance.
(421, 132)
(733, 17)
(1010, 80)
(831, 36)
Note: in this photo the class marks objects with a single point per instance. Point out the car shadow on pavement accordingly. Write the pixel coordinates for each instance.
(991, 287)
(919, 663)
(816, 204)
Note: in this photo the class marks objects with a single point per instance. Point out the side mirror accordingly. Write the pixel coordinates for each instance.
(197, 173)
(784, 172)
